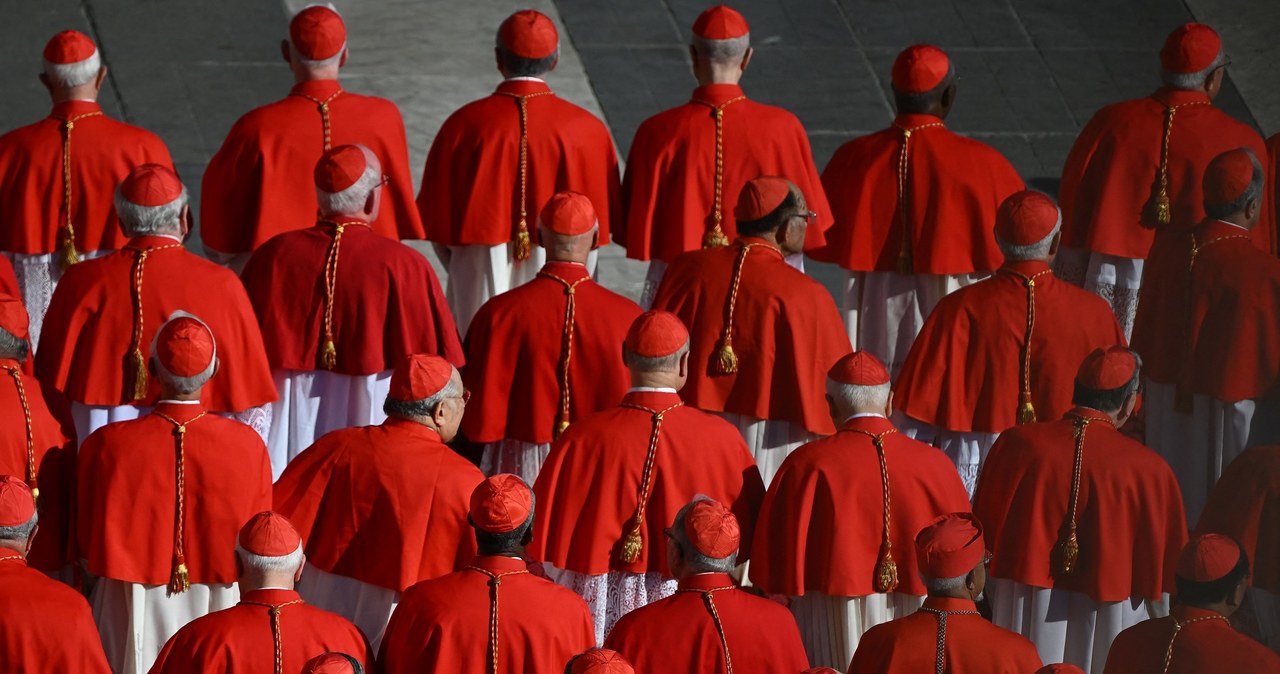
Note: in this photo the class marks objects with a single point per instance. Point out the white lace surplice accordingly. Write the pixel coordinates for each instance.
(609, 596)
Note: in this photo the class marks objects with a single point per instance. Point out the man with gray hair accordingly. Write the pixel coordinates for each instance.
(256, 184)
(1002, 351)
(1135, 170)
(339, 306)
(57, 175)
(687, 164)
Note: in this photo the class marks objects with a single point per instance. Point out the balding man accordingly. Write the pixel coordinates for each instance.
(256, 185)
(496, 161)
(58, 174)
(383, 507)
(339, 306)
(546, 354)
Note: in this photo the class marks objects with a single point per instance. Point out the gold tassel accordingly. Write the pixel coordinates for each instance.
(523, 245)
(632, 546)
(138, 365)
(1026, 411)
(886, 570)
(1068, 552)
(179, 581)
(562, 427)
(715, 238)
(1162, 207)
(726, 359)
(68, 254)
(328, 355)
(35, 495)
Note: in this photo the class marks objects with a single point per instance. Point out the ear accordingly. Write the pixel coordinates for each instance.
(693, 54)
(31, 539)
(746, 59)
(555, 62)
(102, 77)
(297, 575)
(217, 364)
(595, 238)
(371, 201)
(1252, 207)
(888, 408)
(285, 53)
(345, 53)
(185, 219)
(1053, 245)
(684, 364)
(527, 538)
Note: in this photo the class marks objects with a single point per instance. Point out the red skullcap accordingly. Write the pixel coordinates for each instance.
(318, 33)
(184, 346)
(655, 334)
(501, 504)
(1060, 668)
(269, 534)
(17, 505)
(712, 529)
(1026, 217)
(950, 546)
(720, 23)
(760, 197)
(601, 661)
(1190, 48)
(1227, 176)
(332, 663)
(419, 377)
(1107, 369)
(859, 368)
(920, 68)
(820, 670)
(568, 214)
(1207, 558)
(529, 34)
(151, 185)
(13, 317)
(69, 46)
(340, 168)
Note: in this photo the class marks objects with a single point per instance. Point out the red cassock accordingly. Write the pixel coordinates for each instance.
(954, 185)
(385, 505)
(103, 152)
(8, 279)
(1112, 173)
(1209, 645)
(1245, 505)
(787, 333)
(822, 521)
(387, 303)
(444, 624)
(221, 457)
(516, 349)
(964, 371)
(1129, 523)
(589, 487)
(1269, 198)
(973, 646)
(669, 193)
(89, 328)
(47, 627)
(1162, 328)
(471, 184)
(259, 183)
(54, 457)
(679, 635)
(239, 640)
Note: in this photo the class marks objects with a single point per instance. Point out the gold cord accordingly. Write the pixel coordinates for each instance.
(1164, 212)
(634, 542)
(905, 260)
(495, 580)
(137, 363)
(523, 243)
(67, 233)
(726, 361)
(276, 638)
(886, 572)
(323, 106)
(566, 345)
(329, 350)
(180, 580)
(1026, 409)
(16, 374)
(1177, 627)
(716, 237)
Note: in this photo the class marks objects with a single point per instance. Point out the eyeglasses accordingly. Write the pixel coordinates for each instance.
(986, 558)
(385, 179)
(809, 217)
(465, 397)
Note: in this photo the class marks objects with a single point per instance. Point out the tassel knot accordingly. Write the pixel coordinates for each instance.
(523, 245)
(886, 570)
(715, 238)
(1026, 411)
(1068, 552)
(138, 368)
(180, 581)
(631, 546)
(328, 355)
(726, 360)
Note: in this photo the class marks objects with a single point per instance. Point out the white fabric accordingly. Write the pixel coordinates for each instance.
(369, 607)
(135, 620)
(652, 279)
(38, 277)
(89, 418)
(884, 311)
(1117, 280)
(831, 627)
(1066, 626)
(609, 596)
(314, 402)
(233, 261)
(477, 273)
(523, 459)
(967, 450)
(796, 260)
(771, 441)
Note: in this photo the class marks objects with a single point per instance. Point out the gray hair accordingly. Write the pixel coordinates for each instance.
(323, 64)
(698, 562)
(12, 347)
(67, 75)
(1032, 251)
(565, 243)
(1193, 81)
(722, 51)
(940, 585)
(654, 364)
(165, 219)
(410, 409)
(1252, 192)
(351, 200)
(183, 385)
(283, 564)
(853, 396)
(20, 532)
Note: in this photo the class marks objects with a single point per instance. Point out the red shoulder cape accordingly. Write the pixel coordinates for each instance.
(1245, 505)
(1209, 645)
(50, 627)
(1162, 329)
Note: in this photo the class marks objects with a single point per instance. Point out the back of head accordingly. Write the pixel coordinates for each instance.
(721, 35)
(948, 549)
(151, 201)
(922, 75)
(14, 328)
(333, 663)
(528, 44)
(1210, 570)
(708, 537)
(655, 343)
(345, 177)
(569, 227)
(501, 512)
(270, 550)
(858, 383)
(18, 516)
(419, 383)
(318, 37)
(599, 661)
(1107, 378)
(1191, 53)
(184, 354)
(1027, 226)
(71, 60)
(765, 204)
(1233, 181)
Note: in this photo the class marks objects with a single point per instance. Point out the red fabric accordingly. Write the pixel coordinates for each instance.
(822, 520)
(860, 368)
(1271, 191)
(500, 504)
(387, 302)
(54, 433)
(340, 168)
(954, 187)
(318, 33)
(964, 371)
(1026, 218)
(1228, 176)
(17, 502)
(1207, 646)
(1130, 523)
(419, 376)
(589, 485)
(151, 185)
(443, 624)
(656, 334)
(269, 534)
(950, 545)
(720, 23)
(103, 151)
(1208, 557)
(1162, 329)
(260, 182)
(568, 213)
(1107, 368)
(669, 191)
(973, 645)
(787, 333)
(515, 347)
(1111, 175)
(1190, 48)
(760, 197)
(185, 347)
(238, 640)
(89, 326)
(9, 280)
(69, 46)
(128, 475)
(385, 505)
(49, 628)
(712, 529)
(919, 69)
(677, 635)
(529, 34)
(1245, 505)
(471, 184)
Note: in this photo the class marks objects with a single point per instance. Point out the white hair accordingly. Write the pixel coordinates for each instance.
(654, 364)
(941, 585)
(1193, 81)
(20, 532)
(151, 220)
(854, 396)
(69, 75)
(184, 385)
(1031, 251)
(283, 564)
(722, 51)
(424, 407)
(351, 200)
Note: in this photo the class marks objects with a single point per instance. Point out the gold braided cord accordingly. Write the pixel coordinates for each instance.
(276, 638)
(137, 368)
(1164, 213)
(495, 580)
(634, 543)
(709, 600)
(16, 374)
(886, 571)
(905, 263)
(523, 243)
(323, 106)
(940, 656)
(1182, 397)
(67, 232)
(1067, 549)
(566, 345)
(726, 361)
(180, 580)
(1026, 413)
(1177, 627)
(1197, 247)
(328, 350)
(716, 237)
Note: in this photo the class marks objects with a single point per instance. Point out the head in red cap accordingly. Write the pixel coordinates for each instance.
(269, 550)
(184, 356)
(1028, 225)
(924, 81)
(528, 45)
(721, 46)
(820, 670)
(317, 44)
(333, 663)
(427, 389)
(501, 512)
(349, 183)
(569, 228)
(1060, 668)
(1212, 573)
(72, 66)
(951, 554)
(152, 201)
(15, 322)
(1192, 59)
(858, 384)
(17, 514)
(1107, 381)
(774, 209)
(704, 538)
(1233, 187)
(656, 351)
(600, 661)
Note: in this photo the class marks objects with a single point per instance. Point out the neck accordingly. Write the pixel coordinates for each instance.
(251, 582)
(1220, 607)
(958, 593)
(9, 547)
(81, 93)
(716, 73)
(656, 380)
(1237, 219)
(167, 393)
(517, 552)
(554, 255)
(346, 217)
(302, 74)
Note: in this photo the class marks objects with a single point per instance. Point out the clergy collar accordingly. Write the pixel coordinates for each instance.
(67, 109)
(269, 596)
(566, 271)
(414, 427)
(860, 415)
(10, 362)
(1025, 267)
(651, 389)
(144, 241)
(320, 89)
(717, 95)
(525, 78)
(1082, 412)
(1183, 612)
(522, 86)
(912, 120)
(177, 402)
(500, 563)
(1230, 224)
(950, 604)
(707, 581)
(1169, 96)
